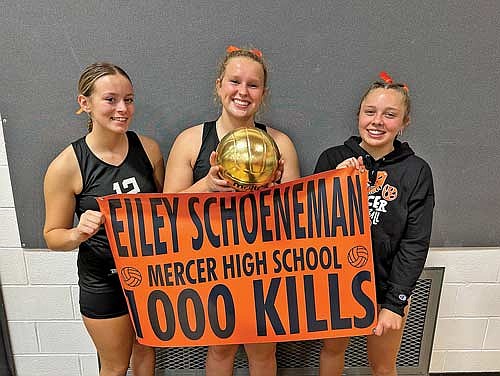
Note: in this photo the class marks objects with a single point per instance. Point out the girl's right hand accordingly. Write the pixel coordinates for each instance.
(213, 180)
(353, 162)
(89, 224)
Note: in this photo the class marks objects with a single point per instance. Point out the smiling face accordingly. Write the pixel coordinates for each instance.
(241, 88)
(111, 103)
(382, 115)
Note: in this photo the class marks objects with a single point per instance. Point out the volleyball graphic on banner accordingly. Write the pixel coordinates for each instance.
(357, 256)
(131, 276)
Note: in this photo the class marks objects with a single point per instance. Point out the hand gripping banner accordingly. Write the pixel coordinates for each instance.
(293, 262)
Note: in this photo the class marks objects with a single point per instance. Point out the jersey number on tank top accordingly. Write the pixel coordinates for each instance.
(126, 184)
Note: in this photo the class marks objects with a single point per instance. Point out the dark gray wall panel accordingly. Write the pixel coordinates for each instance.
(322, 55)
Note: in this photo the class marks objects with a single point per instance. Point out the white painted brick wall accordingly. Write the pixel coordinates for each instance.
(437, 361)
(48, 337)
(64, 337)
(76, 306)
(461, 334)
(472, 361)
(9, 231)
(88, 365)
(492, 339)
(41, 299)
(23, 337)
(42, 365)
(51, 268)
(38, 303)
(467, 337)
(12, 266)
(6, 197)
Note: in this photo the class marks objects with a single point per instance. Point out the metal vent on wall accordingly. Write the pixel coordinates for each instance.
(302, 358)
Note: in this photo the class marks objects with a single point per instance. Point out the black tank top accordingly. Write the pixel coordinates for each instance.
(133, 175)
(209, 143)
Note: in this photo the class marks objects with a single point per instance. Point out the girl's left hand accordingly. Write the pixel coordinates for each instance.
(277, 175)
(387, 320)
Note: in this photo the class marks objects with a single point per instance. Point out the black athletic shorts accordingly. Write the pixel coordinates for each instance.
(103, 305)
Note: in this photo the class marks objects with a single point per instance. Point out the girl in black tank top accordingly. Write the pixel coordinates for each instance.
(240, 87)
(108, 160)
(134, 175)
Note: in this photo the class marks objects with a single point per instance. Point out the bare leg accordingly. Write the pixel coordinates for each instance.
(383, 350)
(113, 339)
(261, 359)
(331, 358)
(220, 360)
(143, 360)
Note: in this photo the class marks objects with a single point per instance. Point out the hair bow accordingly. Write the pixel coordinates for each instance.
(384, 76)
(254, 51)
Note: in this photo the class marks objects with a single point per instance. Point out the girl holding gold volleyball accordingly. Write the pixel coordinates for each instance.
(401, 202)
(241, 87)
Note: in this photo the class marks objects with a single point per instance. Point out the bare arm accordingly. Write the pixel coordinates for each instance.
(61, 183)
(180, 164)
(155, 156)
(291, 167)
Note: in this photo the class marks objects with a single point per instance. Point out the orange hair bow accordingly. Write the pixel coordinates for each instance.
(384, 76)
(254, 51)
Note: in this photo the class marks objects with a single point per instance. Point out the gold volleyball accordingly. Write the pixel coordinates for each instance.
(248, 158)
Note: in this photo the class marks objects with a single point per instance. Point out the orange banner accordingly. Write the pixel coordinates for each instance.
(289, 263)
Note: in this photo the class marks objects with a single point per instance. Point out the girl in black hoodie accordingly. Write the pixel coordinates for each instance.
(401, 202)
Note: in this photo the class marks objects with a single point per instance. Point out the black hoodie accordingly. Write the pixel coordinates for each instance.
(401, 202)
